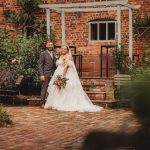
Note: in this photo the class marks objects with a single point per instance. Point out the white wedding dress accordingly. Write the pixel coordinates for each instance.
(72, 97)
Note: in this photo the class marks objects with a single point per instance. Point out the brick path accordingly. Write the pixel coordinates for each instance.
(39, 129)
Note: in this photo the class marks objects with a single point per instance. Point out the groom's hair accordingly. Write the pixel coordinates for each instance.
(48, 41)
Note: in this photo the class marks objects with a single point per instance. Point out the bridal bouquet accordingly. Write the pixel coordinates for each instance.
(60, 81)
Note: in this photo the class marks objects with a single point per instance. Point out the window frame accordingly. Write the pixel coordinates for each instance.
(99, 22)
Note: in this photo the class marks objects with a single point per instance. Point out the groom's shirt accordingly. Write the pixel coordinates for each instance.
(51, 53)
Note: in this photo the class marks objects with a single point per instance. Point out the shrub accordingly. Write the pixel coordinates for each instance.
(138, 94)
(25, 52)
(4, 118)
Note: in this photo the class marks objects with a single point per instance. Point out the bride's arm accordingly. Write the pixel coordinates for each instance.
(67, 65)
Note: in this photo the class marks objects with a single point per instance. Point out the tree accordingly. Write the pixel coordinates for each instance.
(25, 20)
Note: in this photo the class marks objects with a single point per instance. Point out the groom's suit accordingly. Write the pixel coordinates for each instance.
(47, 66)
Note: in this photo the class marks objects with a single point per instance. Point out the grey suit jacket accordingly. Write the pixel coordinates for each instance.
(46, 64)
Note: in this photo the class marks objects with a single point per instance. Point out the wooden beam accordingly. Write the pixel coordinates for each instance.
(63, 26)
(119, 25)
(132, 6)
(130, 35)
(104, 3)
(55, 9)
(93, 9)
(48, 22)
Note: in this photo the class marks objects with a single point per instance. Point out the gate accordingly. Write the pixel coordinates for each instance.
(106, 61)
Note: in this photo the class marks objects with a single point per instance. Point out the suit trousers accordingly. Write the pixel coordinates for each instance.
(44, 89)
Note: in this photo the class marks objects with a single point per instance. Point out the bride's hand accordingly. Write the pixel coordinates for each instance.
(42, 78)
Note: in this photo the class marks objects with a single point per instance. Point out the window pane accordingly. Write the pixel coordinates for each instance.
(102, 31)
(93, 31)
(111, 31)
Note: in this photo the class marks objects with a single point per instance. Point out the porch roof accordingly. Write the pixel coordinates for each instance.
(115, 5)
(80, 7)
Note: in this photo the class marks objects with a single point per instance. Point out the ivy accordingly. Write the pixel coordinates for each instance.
(25, 20)
(142, 26)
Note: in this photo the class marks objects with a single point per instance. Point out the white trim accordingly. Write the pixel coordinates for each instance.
(107, 31)
(119, 25)
(112, 21)
(104, 3)
(48, 22)
(116, 30)
(89, 33)
(130, 35)
(98, 38)
(98, 31)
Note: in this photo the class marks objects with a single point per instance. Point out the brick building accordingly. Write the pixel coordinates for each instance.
(89, 30)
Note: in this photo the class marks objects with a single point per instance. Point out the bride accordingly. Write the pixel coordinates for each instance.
(72, 97)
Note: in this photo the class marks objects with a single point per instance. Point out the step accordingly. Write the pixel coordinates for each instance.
(96, 82)
(103, 78)
(105, 103)
(95, 92)
(34, 101)
(8, 92)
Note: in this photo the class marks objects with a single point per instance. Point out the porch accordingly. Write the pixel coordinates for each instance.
(100, 63)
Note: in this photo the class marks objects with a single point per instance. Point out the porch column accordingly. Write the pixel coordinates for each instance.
(119, 25)
(130, 35)
(63, 26)
(48, 23)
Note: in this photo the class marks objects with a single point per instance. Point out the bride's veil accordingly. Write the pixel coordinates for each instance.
(77, 79)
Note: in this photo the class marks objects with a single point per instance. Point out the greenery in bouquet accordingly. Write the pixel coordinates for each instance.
(60, 81)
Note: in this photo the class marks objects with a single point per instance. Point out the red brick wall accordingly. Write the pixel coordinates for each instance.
(77, 30)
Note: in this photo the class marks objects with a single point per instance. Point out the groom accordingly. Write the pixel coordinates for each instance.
(47, 66)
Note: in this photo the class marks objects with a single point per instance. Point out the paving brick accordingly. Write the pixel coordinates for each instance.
(38, 129)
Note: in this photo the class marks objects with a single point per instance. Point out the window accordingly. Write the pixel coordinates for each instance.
(102, 30)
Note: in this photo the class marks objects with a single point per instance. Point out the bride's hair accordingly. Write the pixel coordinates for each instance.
(66, 46)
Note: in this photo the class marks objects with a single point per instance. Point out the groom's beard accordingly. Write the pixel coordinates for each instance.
(50, 49)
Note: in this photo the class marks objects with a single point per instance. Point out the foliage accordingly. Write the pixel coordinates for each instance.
(138, 94)
(26, 53)
(140, 21)
(4, 118)
(147, 55)
(118, 59)
(8, 77)
(25, 20)
(6, 46)
(141, 25)
(138, 71)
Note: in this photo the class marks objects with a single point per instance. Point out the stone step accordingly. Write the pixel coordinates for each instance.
(96, 95)
(104, 103)
(103, 78)
(98, 85)
(34, 101)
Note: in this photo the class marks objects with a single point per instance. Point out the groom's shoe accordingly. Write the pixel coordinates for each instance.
(42, 104)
